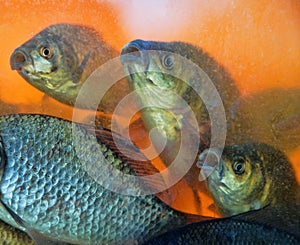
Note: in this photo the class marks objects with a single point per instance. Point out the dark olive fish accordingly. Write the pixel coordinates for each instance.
(11, 236)
(170, 80)
(271, 116)
(166, 76)
(232, 230)
(252, 176)
(60, 58)
(47, 188)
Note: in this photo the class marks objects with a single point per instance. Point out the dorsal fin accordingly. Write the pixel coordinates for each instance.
(128, 153)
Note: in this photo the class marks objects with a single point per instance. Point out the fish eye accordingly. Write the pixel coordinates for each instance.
(239, 166)
(46, 52)
(168, 61)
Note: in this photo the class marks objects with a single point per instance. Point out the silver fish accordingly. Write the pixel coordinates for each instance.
(47, 190)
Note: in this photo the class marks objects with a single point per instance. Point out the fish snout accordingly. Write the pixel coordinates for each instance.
(18, 59)
(209, 160)
(135, 52)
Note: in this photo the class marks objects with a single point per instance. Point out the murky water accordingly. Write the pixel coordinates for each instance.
(257, 42)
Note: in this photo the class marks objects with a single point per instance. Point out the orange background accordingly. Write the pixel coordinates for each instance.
(257, 41)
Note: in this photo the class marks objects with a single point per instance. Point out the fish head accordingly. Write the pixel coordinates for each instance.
(47, 62)
(155, 66)
(238, 183)
(158, 76)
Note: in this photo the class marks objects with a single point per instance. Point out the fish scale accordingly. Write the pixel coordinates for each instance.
(53, 195)
(225, 231)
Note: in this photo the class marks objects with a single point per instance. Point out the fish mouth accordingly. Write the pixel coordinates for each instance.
(210, 162)
(27, 74)
(22, 63)
(36, 79)
(135, 53)
(217, 186)
(135, 60)
(18, 59)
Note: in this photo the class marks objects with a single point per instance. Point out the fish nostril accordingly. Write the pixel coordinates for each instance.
(17, 60)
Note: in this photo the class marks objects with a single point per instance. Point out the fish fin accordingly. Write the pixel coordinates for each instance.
(212, 207)
(78, 74)
(138, 162)
(194, 218)
(36, 236)
(40, 239)
(16, 218)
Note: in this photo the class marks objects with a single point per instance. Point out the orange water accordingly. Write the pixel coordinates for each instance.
(257, 41)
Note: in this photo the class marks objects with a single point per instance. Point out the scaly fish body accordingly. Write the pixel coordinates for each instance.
(46, 189)
(59, 59)
(167, 77)
(12, 236)
(252, 176)
(225, 231)
(172, 80)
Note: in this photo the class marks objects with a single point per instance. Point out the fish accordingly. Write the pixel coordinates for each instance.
(59, 60)
(160, 68)
(251, 176)
(230, 230)
(59, 184)
(11, 236)
(259, 117)
(174, 84)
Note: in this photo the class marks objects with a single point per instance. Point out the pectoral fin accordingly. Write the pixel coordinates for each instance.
(78, 74)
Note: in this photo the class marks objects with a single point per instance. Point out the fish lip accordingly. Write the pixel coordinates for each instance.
(150, 82)
(214, 163)
(35, 77)
(134, 52)
(19, 59)
(133, 46)
(26, 73)
(210, 161)
(218, 184)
